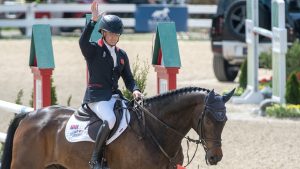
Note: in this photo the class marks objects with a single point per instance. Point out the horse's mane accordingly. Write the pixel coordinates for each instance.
(173, 93)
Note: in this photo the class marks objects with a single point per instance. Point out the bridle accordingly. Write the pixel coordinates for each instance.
(200, 127)
(202, 138)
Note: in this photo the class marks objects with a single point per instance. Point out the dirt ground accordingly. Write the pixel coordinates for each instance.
(249, 141)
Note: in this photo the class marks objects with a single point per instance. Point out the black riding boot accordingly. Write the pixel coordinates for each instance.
(96, 160)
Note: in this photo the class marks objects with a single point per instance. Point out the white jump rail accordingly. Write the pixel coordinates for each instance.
(14, 108)
(278, 35)
(32, 8)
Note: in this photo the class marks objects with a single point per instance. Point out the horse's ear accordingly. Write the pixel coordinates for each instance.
(227, 96)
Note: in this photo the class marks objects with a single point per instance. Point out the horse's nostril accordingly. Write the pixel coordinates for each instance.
(213, 160)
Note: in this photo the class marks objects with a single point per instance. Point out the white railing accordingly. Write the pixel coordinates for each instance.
(14, 108)
(2, 137)
(31, 9)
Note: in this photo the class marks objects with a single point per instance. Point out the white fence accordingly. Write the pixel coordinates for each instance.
(14, 108)
(31, 9)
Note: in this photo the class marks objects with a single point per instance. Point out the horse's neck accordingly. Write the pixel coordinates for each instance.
(176, 113)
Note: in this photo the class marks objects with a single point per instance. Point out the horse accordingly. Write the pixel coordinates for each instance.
(161, 15)
(36, 139)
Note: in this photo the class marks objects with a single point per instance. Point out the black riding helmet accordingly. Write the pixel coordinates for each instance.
(111, 23)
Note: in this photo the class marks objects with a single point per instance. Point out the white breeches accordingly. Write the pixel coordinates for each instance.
(105, 110)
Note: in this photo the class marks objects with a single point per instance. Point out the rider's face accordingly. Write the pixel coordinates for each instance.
(111, 38)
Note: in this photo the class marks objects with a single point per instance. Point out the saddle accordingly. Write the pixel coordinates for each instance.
(85, 113)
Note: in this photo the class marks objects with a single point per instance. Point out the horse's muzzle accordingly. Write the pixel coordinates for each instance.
(214, 155)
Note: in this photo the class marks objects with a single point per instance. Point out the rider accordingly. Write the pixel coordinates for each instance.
(106, 63)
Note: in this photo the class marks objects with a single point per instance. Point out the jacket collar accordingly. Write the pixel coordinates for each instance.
(101, 44)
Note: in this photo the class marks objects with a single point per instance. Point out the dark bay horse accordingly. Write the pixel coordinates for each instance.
(36, 140)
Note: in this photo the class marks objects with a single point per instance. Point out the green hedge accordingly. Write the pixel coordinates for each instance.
(283, 111)
(292, 95)
(243, 75)
(265, 60)
(293, 58)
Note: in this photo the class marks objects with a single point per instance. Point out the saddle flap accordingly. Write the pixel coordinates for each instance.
(92, 123)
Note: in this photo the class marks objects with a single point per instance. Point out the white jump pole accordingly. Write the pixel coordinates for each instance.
(279, 49)
(14, 108)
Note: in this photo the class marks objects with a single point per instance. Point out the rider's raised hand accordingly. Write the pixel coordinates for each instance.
(95, 11)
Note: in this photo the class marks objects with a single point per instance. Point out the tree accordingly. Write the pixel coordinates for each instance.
(293, 90)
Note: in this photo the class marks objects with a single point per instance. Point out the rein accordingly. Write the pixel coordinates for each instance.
(171, 159)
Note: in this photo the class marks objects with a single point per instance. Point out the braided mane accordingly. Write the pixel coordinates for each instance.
(173, 93)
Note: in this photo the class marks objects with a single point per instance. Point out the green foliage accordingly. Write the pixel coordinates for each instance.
(238, 91)
(283, 111)
(140, 73)
(31, 99)
(293, 58)
(265, 60)
(292, 95)
(243, 75)
(19, 97)
(36, 1)
(69, 100)
(53, 93)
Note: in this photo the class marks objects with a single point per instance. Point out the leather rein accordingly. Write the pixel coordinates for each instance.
(200, 127)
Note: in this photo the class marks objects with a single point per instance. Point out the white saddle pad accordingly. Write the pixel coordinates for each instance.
(77, 131)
